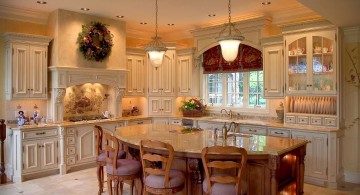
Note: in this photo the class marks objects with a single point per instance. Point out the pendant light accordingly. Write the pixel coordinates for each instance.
(156, 49)
(229, 42)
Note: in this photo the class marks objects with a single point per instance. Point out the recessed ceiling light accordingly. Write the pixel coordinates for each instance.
(266, 3)
(41, 2)
(120, 16)
(85, 9)
(171, 24)
(143, 23)
(212, 15)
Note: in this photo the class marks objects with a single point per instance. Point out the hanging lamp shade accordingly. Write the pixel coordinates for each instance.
(156, 49)
(229, 40)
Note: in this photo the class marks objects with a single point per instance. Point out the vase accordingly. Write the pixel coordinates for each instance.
(193, 113)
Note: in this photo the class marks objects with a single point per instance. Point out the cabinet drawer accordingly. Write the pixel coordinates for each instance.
(278, 132)
(70, 160)
(253, 130)
(70, 131)
(176, 121)
(330, 122)
(139, 122)
(70, 151)
(303, 120)
(290, 119)
(40, 133)
(315, 120)
(70, 140)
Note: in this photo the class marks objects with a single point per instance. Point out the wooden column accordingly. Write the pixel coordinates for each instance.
(3, 178)
(274, 164)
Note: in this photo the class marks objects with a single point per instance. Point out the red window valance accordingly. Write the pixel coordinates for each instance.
(248, 59)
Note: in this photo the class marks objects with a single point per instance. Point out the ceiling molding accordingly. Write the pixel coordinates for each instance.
(12, 13)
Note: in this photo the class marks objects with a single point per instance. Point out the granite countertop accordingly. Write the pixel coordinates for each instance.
(191, 142)
(206, 119)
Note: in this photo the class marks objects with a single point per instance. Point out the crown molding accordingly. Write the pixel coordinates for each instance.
(24, 15)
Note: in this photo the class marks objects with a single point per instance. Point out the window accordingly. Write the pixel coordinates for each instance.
(239, 89)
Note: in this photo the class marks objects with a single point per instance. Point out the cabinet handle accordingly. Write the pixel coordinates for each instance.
(279, 133)
(265, 89)
(251, 130)
(140, 122)
(42, 133)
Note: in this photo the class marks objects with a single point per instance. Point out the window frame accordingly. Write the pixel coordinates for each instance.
(244, 108)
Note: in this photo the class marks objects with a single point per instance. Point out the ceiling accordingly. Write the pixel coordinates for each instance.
(186, 15)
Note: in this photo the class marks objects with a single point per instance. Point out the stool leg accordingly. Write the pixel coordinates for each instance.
(116, 186)
(109, 184)
(98, 173)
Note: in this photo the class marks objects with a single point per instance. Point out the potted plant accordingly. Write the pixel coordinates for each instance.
(193, 107)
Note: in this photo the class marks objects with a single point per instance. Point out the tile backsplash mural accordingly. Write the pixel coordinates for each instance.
(85, 101)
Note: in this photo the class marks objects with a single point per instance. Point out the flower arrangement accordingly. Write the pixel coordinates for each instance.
(193, 107)
(95, 41)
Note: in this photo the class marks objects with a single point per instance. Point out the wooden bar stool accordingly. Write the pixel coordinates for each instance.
(159, 178)
(101, 156)
(119, 170)
(219, 165)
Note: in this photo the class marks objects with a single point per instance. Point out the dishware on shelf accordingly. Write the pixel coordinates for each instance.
(300, 51)
(325, 49)
(317, 49)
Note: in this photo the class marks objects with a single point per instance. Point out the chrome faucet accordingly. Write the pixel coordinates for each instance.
(228, 113)
(226, 130)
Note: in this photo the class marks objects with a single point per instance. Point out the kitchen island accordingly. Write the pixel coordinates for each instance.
(274, 164)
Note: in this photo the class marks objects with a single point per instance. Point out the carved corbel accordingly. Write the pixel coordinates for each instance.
(59, 95)
(119, 94)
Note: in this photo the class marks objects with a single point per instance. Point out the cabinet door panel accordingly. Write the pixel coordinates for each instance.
(185, 73)
(155, 106)
(167, 106)
(273, 72)
(316, 153)
(167, 76)
(38, 72)
(85, 144)
(31, 156)
(20, 74)
(49, 154)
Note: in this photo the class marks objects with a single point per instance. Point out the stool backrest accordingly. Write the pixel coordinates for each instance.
(216, 159)
(98, 139)
(111, 145)
(163, 153)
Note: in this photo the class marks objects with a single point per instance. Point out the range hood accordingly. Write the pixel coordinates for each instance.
(63, 77)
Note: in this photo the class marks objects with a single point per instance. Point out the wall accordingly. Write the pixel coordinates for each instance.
(20, 27)
(350, 103)
(65, 26)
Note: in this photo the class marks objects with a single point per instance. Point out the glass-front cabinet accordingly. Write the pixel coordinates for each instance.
(311, 63)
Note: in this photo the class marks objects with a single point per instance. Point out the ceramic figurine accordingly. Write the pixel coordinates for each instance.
(21, 118)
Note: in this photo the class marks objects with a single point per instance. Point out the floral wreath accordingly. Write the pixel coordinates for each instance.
(95, 41)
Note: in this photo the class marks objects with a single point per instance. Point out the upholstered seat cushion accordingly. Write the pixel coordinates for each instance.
(222, 189)
(176, 179)
(125, 167)
(102, 156)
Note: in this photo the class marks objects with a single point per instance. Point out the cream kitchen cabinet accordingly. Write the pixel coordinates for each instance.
(316, 159)
(184, 73)
(273, 60)
(160, 106)
(32, 152)
(136, 64)
(162, 79)
(80, 143)
(311, 63)
(26, 66)
(311, 69)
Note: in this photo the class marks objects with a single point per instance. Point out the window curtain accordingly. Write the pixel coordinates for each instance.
(248, 59)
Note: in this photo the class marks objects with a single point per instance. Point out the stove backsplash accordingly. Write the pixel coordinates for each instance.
(87, 101)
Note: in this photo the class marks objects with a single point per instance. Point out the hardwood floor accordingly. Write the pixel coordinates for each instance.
(85, 182)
